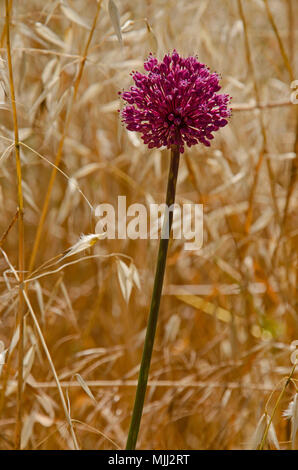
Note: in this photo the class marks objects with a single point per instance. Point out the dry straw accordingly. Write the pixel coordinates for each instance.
(228, 313)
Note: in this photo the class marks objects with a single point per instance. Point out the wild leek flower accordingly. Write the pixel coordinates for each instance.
(174, 104)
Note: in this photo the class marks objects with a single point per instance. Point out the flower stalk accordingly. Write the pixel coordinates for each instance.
(155, 302)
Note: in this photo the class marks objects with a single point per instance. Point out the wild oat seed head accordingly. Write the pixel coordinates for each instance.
(175, 103)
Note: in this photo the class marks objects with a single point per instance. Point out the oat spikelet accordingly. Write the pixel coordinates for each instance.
(85, 241)
(292, 413)
(259, 433)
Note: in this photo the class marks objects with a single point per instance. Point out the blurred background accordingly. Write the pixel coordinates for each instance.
(223, 343)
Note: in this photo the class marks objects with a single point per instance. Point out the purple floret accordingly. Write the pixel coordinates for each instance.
(175, 103)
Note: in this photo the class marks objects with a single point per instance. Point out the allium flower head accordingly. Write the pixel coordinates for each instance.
(175, 103)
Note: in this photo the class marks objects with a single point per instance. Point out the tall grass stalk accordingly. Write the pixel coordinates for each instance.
(44, 345)
(155, 303)
(21, 263)
(61, 144)
(294, 162)
(46, 350)
(264, 149)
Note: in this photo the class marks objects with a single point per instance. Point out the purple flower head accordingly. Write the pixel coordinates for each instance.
(175, 103)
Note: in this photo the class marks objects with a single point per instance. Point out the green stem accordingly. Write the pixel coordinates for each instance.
(155, 302)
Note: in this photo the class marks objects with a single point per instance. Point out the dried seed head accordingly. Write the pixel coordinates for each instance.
(292, 413)
(85, 241)
(257, 438)
(259, 433)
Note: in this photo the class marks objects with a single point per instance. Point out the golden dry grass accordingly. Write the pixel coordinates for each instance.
(212, 372)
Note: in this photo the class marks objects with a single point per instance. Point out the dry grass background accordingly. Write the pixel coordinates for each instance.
(212, 371)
